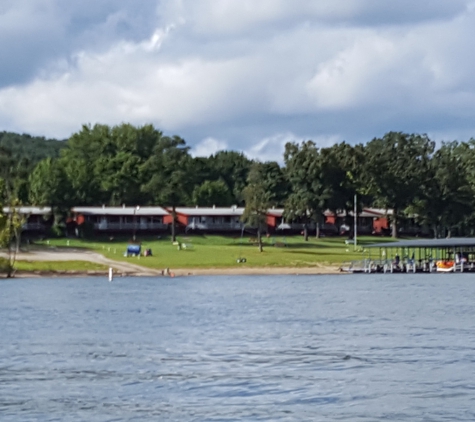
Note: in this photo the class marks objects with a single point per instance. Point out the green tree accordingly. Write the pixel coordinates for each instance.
(14, 173)
(211, 193)
(11, 223)
(232, 167)
(50, 186)
(309, 194)
(275, 183)
(30, 148)
(168, 175)
(342, 177)
(395, 168)
(103, 163)
(257, 199)
(446, 200)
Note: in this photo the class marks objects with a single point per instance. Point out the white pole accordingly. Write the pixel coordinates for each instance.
(111, 274)
(355, 241)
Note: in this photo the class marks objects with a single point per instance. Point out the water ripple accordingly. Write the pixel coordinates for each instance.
(238, 348)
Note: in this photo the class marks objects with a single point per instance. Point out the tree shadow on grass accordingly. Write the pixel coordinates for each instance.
(52, 248)
(317, 253)
(305, 252)
(310, 246)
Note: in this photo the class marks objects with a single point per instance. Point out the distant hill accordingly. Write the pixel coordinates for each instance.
(33, 148)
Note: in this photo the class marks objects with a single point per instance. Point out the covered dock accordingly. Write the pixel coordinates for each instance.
(426, 255)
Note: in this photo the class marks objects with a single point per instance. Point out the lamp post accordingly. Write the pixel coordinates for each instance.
(135, 220)
(355, 212)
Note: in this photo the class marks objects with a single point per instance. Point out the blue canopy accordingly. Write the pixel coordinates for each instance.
(133, 249)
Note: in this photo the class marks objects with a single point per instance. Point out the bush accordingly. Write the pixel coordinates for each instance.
(86, 230)
(57, 230)
(5, 267)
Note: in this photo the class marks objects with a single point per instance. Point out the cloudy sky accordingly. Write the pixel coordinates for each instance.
(246, 75)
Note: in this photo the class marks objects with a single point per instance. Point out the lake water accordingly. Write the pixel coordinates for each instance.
(317, 348)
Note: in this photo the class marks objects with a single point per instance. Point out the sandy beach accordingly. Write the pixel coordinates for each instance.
(129, 269)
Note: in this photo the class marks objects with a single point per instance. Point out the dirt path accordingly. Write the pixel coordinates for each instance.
(317, 270)
(71, 254)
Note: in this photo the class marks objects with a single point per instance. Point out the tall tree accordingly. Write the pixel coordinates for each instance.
(446, 200)
(211, 193)
(11, 223)
(103, 163)
(49, 186)
(309, 193)
(14, 172)
(275, 183)
(79, 161)
(168, 175)
(342, 175)
(395, 167)
(257, 198)
(232, 167)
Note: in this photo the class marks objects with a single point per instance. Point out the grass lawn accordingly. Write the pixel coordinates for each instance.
(58, 266)
(213, 251)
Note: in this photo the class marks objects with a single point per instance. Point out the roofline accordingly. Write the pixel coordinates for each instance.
(453, 242)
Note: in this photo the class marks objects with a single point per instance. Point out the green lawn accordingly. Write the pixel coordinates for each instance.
(58, 266)
(224, 251)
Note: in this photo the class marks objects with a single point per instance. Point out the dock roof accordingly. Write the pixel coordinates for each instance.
(451, 242)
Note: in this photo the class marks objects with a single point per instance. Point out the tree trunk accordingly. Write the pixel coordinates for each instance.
(317, 230)
(305, 232)
(173, 225)
(11, 261)
(17, 243)
(11, 266)
(394, 224)
(259, 240)
(434, 229)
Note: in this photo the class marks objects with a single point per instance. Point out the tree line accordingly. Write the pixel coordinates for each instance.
(124, 164)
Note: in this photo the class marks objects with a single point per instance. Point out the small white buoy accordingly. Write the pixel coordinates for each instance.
(111, 274)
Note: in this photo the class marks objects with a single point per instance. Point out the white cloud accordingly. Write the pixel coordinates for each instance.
(231, 17)
(272, 148)
(243, 70)
(208, 146)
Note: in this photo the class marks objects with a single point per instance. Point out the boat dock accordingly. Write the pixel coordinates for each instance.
(417, 256)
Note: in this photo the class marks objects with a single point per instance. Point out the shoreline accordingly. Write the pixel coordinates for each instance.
(186, 272)
(133, 269)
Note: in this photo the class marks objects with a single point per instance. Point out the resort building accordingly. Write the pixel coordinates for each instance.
(37, 219)
(369, 221)
(211, 219)
(155, 219)
(122, 219)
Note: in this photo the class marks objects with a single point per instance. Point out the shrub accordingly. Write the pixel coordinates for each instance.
(86, 230)
(57, 230)
(5, 267)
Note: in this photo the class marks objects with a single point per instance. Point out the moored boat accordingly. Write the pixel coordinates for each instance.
(445, 266)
